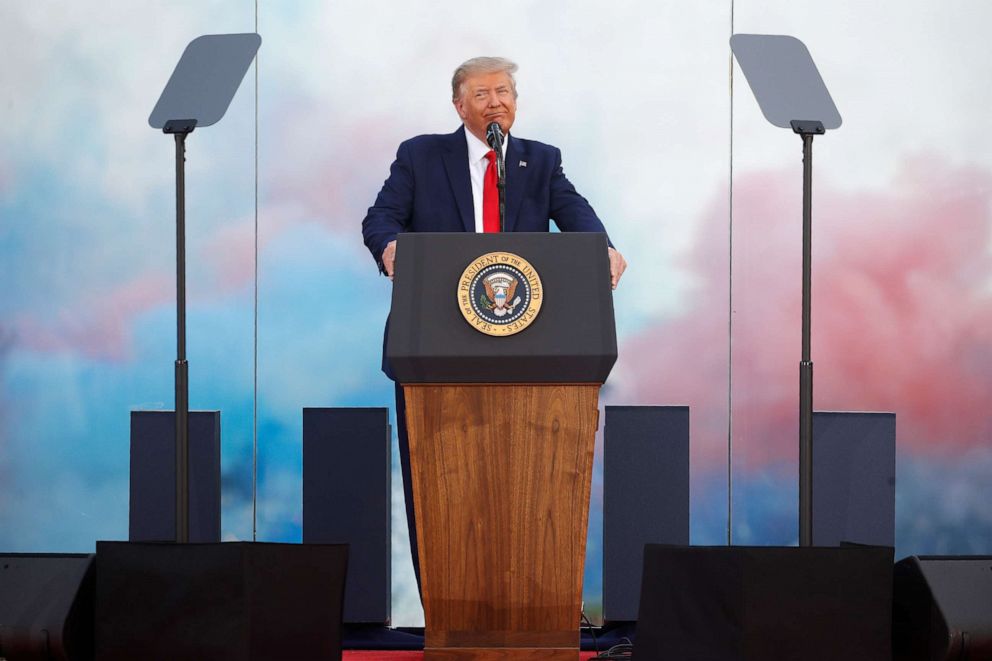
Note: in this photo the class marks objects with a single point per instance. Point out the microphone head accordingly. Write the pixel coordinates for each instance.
(494, 135)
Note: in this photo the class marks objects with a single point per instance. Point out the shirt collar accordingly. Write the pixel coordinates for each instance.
(477, 149)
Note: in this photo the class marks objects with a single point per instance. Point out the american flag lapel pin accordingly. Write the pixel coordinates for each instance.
(523, 164)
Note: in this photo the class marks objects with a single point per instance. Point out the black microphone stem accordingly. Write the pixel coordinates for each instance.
(494, 136)
(501, 185)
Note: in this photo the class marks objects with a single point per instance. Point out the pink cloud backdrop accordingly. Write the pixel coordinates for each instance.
(902, 307)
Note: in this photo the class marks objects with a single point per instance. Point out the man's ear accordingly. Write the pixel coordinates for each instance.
(458, 107)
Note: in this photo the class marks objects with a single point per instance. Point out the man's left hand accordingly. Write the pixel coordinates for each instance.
(617, 266)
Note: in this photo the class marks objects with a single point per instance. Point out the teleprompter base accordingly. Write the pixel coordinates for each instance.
(749, 603)
(237, 601)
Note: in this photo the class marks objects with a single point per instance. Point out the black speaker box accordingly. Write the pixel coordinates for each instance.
(757, 603)
(236, 600)
(46, 606)
(942, 608)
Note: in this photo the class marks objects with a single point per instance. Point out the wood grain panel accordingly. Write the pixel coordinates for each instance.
(501, 482)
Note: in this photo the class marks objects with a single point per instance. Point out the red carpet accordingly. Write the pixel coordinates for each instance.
(356, 655)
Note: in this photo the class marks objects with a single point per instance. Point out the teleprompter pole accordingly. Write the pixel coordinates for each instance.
(787, 85)
(180, 129)
(200, 89)
(806, 130)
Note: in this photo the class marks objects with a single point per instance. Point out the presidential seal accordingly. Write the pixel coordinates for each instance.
(499, 294)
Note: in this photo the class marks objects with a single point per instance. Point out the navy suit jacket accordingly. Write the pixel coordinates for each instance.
(429, 190)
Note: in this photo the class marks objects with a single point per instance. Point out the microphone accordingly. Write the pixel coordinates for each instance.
(494, 136)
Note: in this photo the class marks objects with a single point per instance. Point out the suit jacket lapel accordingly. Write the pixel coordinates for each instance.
(456, 165)
(516, 180)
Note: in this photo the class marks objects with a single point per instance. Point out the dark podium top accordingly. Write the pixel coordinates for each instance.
(572, 339)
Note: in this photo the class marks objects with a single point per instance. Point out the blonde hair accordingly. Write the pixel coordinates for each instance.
(479, 65)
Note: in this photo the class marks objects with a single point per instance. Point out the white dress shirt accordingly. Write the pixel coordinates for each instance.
(477, 164)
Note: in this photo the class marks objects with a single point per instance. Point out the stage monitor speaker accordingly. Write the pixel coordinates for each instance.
(46, 606)
(757, 603)
(645, 496)
(233, 601)
(152, 514)
(346, 500)
(942, 608)
(854, 478)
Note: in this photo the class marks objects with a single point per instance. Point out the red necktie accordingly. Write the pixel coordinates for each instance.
(490, 196)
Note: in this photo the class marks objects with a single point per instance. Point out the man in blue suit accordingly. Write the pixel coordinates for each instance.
(446, 183)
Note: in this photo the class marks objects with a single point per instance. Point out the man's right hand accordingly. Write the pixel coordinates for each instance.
(389, 258)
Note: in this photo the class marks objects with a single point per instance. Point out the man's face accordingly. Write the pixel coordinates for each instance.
(487, 98)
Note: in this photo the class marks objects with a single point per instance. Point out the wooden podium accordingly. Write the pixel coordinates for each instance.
(501, 432)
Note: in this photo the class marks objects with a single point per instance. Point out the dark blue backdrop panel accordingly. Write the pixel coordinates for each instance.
(346, 499)
(152, 516)
(645, 496)
(854, 477)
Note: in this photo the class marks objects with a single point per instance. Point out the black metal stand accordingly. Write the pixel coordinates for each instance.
(180, 129)
(200, 89)
(501, 187)
(495, 138)
(806, 130)
(787, 84)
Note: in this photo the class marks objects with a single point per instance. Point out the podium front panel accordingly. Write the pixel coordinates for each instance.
(571, 340)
